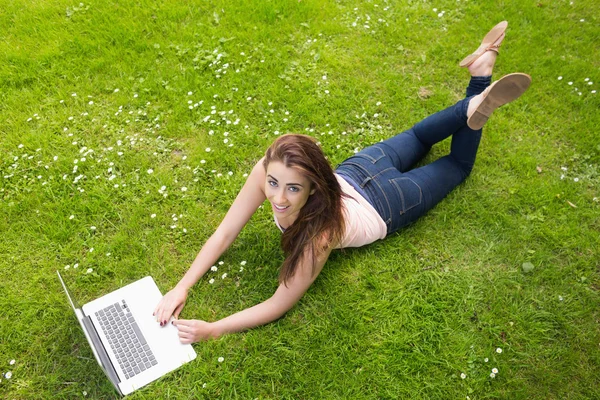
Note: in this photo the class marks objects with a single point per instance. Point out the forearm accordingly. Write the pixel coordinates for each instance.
(208, 255)
(260, 314)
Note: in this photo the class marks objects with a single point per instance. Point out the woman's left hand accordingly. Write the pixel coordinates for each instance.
(194, 330)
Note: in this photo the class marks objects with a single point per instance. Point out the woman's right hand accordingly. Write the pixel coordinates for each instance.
(171, 304)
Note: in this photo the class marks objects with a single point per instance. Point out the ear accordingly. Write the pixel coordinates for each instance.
(312, 192)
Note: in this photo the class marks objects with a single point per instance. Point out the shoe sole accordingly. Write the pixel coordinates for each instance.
(510, 87)
(493, 35)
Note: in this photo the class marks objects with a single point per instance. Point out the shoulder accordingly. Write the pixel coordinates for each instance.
(258, 174)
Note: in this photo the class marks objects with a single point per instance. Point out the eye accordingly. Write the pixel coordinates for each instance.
(272, 183)
(294, 189)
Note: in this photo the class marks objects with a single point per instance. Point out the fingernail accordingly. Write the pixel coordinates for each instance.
(172, 323)
(161, 324)
(165, 322)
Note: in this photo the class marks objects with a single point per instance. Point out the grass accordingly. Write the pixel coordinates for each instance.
(402, 318)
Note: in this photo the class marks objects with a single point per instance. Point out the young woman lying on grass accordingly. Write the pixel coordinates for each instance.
(368, 197)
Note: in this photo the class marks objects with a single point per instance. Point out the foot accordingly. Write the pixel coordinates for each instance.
(505, 90)
(491, 41)
(484, 65)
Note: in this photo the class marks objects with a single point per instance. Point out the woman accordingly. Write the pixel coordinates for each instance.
(369, 196)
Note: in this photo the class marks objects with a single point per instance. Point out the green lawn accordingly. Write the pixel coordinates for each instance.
(127, 128)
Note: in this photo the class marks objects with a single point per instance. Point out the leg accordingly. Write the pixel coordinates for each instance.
(407, 148)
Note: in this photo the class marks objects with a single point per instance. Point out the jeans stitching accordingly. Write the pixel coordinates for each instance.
(369, 157)
(393, 181)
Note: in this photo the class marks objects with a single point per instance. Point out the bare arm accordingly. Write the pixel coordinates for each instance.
(275, 307)
(251, 196)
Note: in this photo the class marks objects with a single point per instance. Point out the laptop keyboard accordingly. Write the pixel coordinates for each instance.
(125, 339)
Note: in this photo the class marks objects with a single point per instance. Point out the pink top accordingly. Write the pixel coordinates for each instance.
(363, 223)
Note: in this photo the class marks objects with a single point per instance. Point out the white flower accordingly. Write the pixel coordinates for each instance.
(492, 375)
(71, 217)
(486, 359)
(184, 189)
(150, 171)
(214, 268)
(75, 265)
(93, 228)
(560, 78)
(91, 250)
(243, 262)
(576, 179)
(463, 375)
(84, 393)
(570, 83)
(495, 370)
(8, 375)
(207, 149)
(116, 90)
(211, 281)
(498, 350)
(224, 275)
(153, 216)
(560, 298)
(221, 359)
(89, 271)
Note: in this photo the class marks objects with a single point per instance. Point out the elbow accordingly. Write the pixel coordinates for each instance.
(279, 307)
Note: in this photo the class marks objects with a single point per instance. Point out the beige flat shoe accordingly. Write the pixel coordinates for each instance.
(488, 43)
(508, 88)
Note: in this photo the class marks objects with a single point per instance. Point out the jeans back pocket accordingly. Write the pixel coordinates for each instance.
(410, 193)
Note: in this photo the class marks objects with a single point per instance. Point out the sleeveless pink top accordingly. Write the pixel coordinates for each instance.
(363, 223)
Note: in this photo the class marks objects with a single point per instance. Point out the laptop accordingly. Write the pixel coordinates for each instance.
(130, 346)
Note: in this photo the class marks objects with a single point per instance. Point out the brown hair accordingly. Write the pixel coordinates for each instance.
(320, 222)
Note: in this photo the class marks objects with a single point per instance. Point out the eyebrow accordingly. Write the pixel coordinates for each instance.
(288, 184)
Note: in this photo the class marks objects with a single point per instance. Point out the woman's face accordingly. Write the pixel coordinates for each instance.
(287, 190)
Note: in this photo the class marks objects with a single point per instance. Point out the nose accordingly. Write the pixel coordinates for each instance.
(279, 197)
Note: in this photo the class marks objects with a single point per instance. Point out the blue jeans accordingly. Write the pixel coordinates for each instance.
(383, 172)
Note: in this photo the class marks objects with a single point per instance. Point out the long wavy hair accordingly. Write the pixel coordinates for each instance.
(320, 222)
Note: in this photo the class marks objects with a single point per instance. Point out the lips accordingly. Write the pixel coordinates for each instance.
(280, 208)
